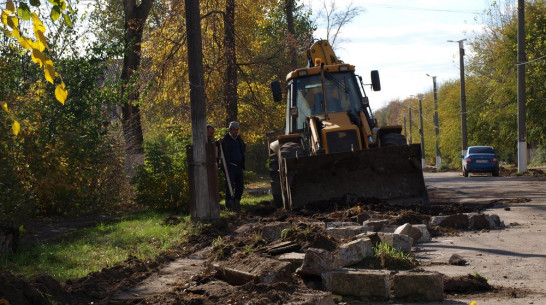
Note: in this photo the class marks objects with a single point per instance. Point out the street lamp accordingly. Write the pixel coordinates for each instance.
(463, 96)
(436, 123)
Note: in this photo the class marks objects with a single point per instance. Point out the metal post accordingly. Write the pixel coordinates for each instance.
(463, 95)
(436, 124)
(421, 132)
(522, 141)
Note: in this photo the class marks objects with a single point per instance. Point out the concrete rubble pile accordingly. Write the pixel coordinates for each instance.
(336, 269)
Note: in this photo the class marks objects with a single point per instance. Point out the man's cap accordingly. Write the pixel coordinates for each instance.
(233, 125)
(210, 126)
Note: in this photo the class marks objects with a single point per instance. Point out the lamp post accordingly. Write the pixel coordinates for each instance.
(436, 123)
(463, 96)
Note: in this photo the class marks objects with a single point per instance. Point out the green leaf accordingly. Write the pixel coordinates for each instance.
(23, 11)
(55, 13)
(35, 2)
(67, 20)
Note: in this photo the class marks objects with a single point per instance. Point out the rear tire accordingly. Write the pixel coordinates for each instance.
(495, 173)
(393, 139)
(465, 173)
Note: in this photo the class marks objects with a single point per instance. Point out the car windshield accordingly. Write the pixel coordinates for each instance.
(481, 150)
(342, 94)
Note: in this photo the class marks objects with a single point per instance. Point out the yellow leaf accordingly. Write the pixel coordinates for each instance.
(25, 42)
(16, 127)
(5, 16)
(41, 39)
(38, 25)
(49, 72)
(13, 21)
(61, 93)
(10, 6)
(38, 57)
(5, 107)
(15, 33)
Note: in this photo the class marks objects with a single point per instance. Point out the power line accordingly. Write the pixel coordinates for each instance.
(411, 8)
(528, 62)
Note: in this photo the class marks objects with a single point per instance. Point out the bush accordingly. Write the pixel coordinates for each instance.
(162, 181)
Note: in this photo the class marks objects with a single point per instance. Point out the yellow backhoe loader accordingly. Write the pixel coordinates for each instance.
(332, 145)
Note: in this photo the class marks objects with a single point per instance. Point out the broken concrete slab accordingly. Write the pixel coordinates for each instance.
(283, 247)
(495, 222)
(273, 231)
(375, 225)
(418, 286)
(400, 242)
(258, 269)
(295, 258)
(372, 284)
(403, 229)
(415, 235)
(315, 298)
(346, 232)
(355, 251)
(339, 224)
(455, 221)
(425, 233)
(317, 261)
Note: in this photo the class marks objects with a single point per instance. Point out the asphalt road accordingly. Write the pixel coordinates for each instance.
(513, 257)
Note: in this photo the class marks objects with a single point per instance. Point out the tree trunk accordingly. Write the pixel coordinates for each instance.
(289, 9)
(230, 89)
(135, 19)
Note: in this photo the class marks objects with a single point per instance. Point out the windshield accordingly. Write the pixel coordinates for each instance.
(481, 150)
(342, 94)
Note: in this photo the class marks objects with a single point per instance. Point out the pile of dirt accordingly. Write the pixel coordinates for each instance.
(236, 245)
(531, 172)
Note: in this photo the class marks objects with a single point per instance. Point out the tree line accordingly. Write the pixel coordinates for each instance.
(124, 65)
(491, 92)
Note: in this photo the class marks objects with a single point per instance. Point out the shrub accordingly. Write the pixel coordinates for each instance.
(162, 181)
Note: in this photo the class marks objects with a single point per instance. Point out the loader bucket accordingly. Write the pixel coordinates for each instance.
(389, 174)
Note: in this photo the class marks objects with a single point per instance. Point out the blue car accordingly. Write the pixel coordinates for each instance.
(481, 159)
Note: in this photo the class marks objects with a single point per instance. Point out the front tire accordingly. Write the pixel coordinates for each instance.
(287, 151)
(275, 180)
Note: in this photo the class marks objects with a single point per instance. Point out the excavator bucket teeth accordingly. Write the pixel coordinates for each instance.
(389, 174)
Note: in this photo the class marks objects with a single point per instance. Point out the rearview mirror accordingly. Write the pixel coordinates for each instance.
(276, 90)
(376, 84)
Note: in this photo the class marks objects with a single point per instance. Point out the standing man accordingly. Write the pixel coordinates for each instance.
(210, 133)
(234, 154)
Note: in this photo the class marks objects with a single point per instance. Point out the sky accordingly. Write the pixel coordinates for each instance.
(405, 40)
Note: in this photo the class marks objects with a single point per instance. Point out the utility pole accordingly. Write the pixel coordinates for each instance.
(420, 96)
(405, 133)
(203, 204)
(436, 123)
(410, 138)
(522, 144)
(463, 94)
